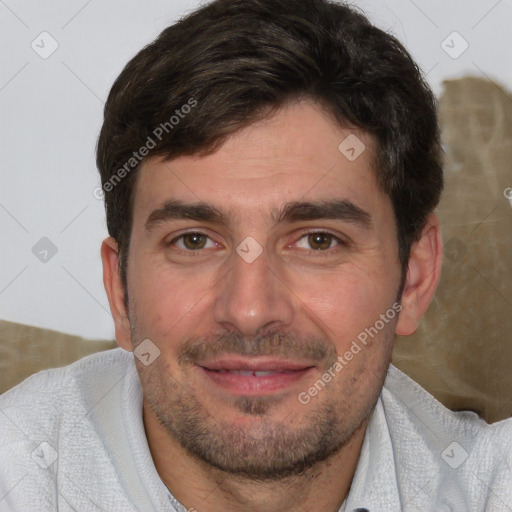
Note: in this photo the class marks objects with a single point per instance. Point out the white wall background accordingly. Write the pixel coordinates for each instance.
(51, 112)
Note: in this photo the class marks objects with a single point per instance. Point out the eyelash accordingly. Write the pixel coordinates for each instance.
(313, 253)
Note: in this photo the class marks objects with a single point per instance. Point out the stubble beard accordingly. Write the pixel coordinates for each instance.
(263, 449)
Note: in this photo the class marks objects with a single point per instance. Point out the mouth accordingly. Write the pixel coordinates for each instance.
(255, 376)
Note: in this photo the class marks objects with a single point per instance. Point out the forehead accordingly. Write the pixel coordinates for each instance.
(297, 154)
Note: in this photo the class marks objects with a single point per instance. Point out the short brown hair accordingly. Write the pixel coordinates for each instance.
(237, 61)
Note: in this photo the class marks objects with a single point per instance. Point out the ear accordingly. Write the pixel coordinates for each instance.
(423, 274)
(115, 292)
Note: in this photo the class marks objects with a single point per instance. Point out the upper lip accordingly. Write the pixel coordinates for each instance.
(254, 364)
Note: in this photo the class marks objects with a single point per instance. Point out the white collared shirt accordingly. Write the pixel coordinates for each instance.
(73, 439)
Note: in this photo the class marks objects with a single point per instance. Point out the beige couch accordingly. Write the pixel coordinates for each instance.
(462, 352)
(25, 350)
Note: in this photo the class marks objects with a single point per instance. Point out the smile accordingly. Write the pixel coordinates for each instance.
(255, 376)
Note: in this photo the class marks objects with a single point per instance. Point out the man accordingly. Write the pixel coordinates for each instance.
(270, 169)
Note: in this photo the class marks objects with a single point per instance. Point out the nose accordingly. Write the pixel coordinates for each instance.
(252, 297)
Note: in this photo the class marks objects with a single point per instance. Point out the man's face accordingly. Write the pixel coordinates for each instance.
(250, 308)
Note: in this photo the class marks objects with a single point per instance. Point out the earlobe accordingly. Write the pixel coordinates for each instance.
(423, 274)
(115, 292)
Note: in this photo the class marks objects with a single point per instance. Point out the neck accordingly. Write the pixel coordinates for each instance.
(203, 488)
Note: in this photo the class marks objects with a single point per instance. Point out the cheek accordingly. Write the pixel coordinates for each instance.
(168, 305)
(346, 301)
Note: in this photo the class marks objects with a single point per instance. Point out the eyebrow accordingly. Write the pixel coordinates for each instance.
(339, 209)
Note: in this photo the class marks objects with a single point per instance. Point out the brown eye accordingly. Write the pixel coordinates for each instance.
(320, 241)
(194, 241)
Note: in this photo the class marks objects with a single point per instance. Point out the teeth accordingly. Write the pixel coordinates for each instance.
(250, 373)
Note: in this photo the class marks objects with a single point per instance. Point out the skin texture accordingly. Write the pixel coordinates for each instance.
(303, 299)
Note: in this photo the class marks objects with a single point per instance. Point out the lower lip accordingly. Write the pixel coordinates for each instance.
(254, 385)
